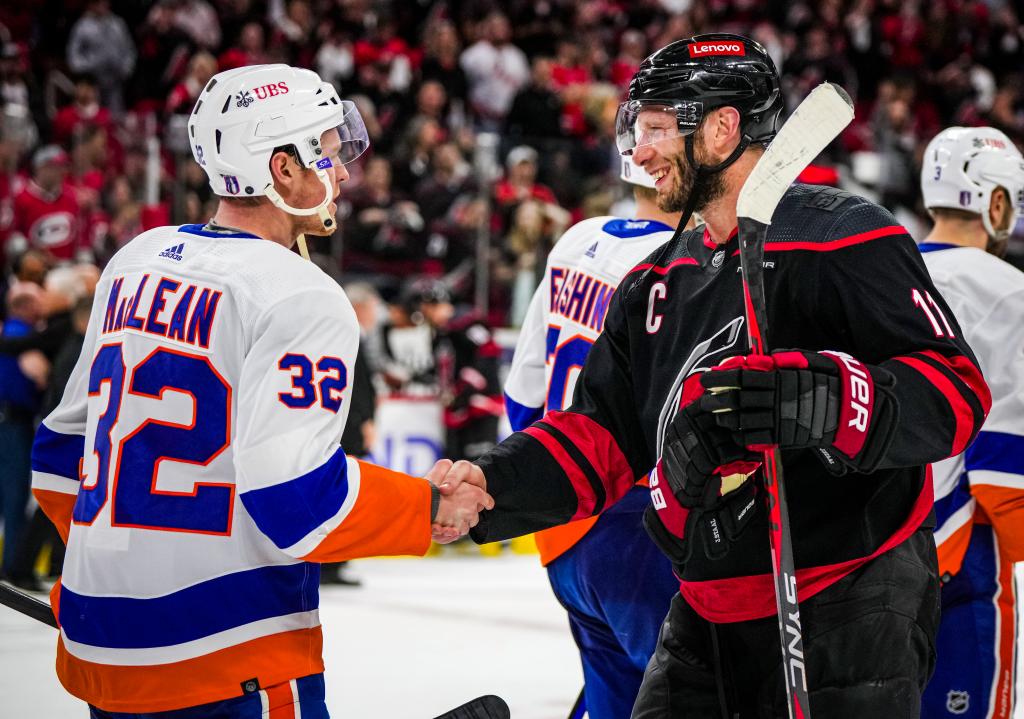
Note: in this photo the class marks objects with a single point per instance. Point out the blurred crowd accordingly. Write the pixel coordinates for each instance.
(492, 127)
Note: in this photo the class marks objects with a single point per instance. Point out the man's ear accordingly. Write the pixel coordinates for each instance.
(722, 130)
(997, 206)
(283, 168)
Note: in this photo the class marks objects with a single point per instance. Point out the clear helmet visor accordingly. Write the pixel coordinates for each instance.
(647, 122)
(354, 137)
(351, 141)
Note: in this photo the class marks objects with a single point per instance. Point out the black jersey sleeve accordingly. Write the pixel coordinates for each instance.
(873, 282)
(574, 463)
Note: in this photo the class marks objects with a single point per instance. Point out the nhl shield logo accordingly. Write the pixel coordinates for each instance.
(244, 99)
(718, 259)
(958, 702)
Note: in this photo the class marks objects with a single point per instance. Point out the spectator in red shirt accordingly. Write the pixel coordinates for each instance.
(520, 183)
(46, 210)
(85, 109)
(632, 51)
(183, 97)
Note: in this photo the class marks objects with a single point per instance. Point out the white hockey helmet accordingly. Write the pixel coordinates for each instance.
(634, 174)
(961, 168)
(243, 115)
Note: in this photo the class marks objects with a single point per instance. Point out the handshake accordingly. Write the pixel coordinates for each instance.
(463, 496)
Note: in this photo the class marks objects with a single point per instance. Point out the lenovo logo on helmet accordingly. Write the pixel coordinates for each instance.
(701, 49)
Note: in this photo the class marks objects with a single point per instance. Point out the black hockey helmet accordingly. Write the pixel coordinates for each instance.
(423, 290)
(691, 77)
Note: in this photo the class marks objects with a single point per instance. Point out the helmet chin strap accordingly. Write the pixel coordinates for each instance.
(702, 172)
(327, 221)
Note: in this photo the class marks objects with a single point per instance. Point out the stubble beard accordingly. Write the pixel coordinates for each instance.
(711, 187)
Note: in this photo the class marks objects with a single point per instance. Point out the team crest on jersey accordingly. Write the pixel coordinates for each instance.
(174, 252)
(592, 250)
(244, 99)
(231, 184)
(958, 702)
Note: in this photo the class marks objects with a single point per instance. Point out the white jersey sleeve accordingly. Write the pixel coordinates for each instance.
(293, 477)
(987, 296)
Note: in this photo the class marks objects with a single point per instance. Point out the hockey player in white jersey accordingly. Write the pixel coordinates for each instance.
(193, 465)
(973, 185)
(608, 574)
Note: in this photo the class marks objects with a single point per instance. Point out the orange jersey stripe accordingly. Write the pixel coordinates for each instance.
(1004, 507)
(1006, 636)
(556, 541)
(57, 506)
(280, 701)
(952, 551)
(391, 516)
(213, 677)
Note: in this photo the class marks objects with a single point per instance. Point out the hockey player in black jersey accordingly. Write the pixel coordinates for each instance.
(870, 393)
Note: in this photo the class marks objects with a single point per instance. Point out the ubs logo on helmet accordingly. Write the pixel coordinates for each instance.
(700, 49)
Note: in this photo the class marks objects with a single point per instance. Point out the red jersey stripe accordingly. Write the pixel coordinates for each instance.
(742, 599)
(663, 269)
(580, 483)
(834, 244)
(599, 446)
(963, 415)
(968, 372)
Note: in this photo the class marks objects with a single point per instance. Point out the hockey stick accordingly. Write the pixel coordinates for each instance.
(816, 122)
(27, 605)
(485, 707)
(579, 708)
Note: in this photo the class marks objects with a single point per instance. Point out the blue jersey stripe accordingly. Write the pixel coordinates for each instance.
(625, 229)
(206, 608)
(521, 416)
(289, 511)
(948, 505)
(56, 453)
(203, 232)
(997, 452)
(926, 247)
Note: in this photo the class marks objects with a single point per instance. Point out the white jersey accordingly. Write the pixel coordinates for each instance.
(567, 311)
(987, 297)
(195, 460)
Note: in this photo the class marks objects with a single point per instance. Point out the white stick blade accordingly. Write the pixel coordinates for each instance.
(813, 125)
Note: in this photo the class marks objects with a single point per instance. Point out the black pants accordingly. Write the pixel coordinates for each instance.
(869, 641)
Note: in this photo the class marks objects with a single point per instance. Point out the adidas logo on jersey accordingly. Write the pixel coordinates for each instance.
(174, 252)
(592, 250)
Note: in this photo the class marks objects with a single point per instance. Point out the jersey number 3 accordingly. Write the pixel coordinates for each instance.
(205, 507)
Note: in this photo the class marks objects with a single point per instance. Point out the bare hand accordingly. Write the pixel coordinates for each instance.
(459, 511)
(459, 473)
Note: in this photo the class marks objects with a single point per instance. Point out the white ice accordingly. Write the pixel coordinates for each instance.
(418, 638)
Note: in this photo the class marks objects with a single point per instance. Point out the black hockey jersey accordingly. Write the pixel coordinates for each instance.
(840, 274)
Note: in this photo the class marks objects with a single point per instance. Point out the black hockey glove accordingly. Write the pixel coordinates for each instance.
(795, 399)
(679, 532)
(697, 454)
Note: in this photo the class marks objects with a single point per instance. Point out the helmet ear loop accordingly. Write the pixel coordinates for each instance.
(321, 209)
